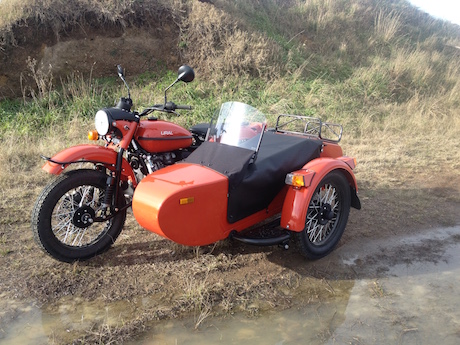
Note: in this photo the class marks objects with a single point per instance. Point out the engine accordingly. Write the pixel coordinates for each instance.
(146, 163)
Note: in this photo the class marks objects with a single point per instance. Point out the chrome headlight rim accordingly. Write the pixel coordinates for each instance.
(102, 123)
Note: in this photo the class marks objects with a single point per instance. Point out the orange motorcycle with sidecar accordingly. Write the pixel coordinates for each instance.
(293, 177)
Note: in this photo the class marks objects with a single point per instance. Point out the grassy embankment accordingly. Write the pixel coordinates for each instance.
(388, 73)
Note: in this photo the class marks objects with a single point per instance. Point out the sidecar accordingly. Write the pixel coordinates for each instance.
(244, 174)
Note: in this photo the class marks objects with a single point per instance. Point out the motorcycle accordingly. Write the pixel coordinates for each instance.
(293, 177)
(81, 212)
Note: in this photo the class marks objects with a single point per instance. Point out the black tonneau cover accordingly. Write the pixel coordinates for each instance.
(253, 186)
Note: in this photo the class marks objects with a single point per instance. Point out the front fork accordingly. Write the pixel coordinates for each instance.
(109, 205)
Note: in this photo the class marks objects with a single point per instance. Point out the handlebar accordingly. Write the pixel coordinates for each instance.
(169, 107)
(185, 107)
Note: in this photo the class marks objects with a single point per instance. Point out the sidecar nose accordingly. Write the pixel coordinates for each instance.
(186, 203)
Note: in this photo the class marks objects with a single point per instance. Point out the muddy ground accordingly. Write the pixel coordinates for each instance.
(218, 280)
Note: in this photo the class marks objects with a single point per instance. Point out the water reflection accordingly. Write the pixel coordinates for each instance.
(26, 324)
(406, 292)
(311, 324)
(419, 303)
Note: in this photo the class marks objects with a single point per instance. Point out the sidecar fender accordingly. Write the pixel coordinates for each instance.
(297, 198)
(87, 153)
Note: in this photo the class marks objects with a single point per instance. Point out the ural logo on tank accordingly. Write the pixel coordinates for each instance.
(167, 133)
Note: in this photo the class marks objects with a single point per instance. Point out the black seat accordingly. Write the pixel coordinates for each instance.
(279, 154)
(254, 184)
(201, 129)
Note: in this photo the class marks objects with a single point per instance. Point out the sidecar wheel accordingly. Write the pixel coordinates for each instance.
(327, 216)
(62, 218)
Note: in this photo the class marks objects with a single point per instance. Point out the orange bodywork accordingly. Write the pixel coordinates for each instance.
(187, 203)
(331, 150)
(297, 199)
(93, 153)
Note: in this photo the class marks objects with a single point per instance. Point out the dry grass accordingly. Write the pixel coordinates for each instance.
(215, 42)
(61, 15)
(387, 25)
(196, 297)
(48, 11)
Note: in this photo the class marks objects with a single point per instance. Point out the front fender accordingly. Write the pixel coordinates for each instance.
(297, 199)
(88, 153)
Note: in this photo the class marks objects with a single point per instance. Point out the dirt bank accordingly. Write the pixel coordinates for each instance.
(88, 42)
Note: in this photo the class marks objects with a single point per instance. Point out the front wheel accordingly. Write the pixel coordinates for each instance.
(327, 216)
(63, 217)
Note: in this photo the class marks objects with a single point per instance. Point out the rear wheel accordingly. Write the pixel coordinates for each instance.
(63, 217)
(327, 216)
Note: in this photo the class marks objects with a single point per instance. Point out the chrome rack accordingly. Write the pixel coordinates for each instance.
(309, 126)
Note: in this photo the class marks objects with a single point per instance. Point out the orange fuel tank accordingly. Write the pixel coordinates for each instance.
(162, 136)
(186, 203)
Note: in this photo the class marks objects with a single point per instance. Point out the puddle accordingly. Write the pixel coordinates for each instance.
(406, 292)
(309, 324)
(417, 303)
(413, 302)
(27, 324)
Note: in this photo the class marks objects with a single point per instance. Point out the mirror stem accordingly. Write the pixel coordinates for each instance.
(169, 88)
(127, 86)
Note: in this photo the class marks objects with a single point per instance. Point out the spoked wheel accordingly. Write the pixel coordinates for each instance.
(327, 216)
(63, 219)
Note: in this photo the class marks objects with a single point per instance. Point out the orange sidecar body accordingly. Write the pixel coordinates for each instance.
(194, 203)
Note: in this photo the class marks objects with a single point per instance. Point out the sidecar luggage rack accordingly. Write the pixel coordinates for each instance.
(309, 126)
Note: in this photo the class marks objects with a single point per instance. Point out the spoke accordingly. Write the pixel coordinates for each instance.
(59, 227)
(311, 224)
(329, 194)
(63, 214)
(65, 207)
(326, 195)
(316, 234)
(69, 231)
(62, 223)
(83, 195)
(79, 236)
(96, 197)
(72, 199)
(328, 228)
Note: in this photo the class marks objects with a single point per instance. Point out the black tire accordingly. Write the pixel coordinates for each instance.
(327, 216)
(53, 223)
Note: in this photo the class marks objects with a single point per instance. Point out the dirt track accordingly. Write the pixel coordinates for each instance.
(215, 280)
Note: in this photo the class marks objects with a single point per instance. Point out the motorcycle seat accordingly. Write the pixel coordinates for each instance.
(201, 129)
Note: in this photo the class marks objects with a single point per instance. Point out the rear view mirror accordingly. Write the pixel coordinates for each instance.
(120, 71)
(185, 74)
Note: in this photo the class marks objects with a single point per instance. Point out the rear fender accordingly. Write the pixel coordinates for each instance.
(297, 198)
(88, 153)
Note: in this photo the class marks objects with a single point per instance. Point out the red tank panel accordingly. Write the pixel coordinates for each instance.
(162, 136)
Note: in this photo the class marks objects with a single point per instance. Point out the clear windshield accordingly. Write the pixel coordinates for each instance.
(238, 124)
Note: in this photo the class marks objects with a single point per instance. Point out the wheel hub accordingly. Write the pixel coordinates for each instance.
(83, 217)
(326, 214)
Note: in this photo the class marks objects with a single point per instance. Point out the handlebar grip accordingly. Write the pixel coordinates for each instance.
(185, 107)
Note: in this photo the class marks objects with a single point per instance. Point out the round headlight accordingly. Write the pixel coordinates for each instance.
(101, 121)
